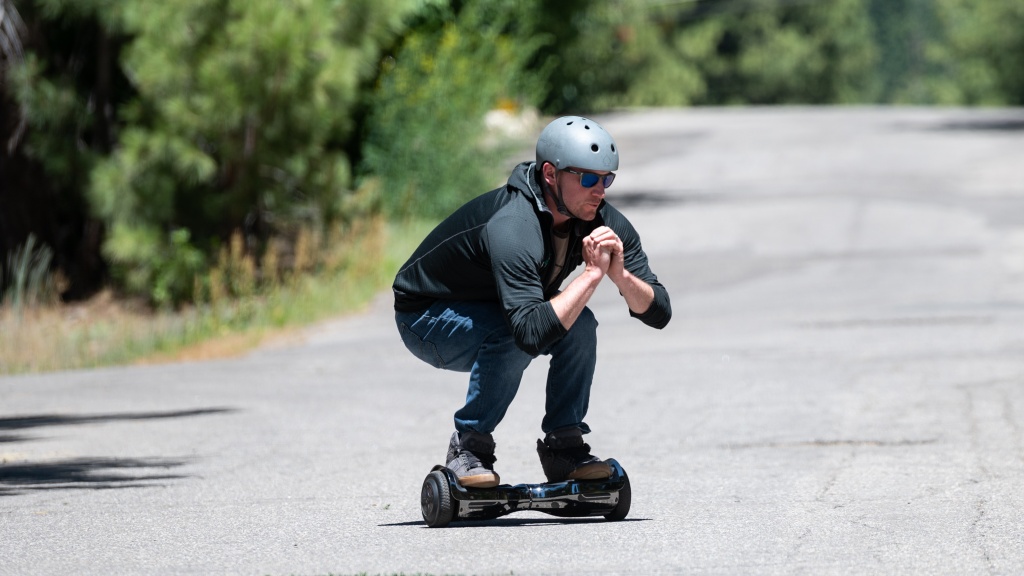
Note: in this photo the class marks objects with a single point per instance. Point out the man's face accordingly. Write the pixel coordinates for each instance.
(581, 201)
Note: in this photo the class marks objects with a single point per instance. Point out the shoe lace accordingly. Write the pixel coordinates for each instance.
(484, 459)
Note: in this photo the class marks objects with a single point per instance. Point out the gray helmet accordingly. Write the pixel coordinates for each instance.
(577, 142)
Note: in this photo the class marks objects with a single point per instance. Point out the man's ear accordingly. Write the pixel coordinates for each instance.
(550, 172)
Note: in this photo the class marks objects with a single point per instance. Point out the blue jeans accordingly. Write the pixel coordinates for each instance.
(474, 337)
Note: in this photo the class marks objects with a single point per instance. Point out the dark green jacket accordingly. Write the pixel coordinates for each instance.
(497, 247)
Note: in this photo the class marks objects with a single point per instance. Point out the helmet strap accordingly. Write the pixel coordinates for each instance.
(559, 202)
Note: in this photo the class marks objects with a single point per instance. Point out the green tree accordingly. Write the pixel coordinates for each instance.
(426, 149)
(776, 52)
(981, 53)
(165, 128)
(643, 53)
(621, 53)
(59, 99)
(243, 113)
(906, 33)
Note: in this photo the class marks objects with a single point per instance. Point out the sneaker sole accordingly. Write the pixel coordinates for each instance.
(591, 472)
(479, 481)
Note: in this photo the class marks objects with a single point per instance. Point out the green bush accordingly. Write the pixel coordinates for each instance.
(425, 143)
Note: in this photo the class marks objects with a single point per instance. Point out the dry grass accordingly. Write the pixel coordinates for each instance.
(95, 333)
(341, 274)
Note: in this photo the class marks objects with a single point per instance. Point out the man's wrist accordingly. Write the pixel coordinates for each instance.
(621, 280)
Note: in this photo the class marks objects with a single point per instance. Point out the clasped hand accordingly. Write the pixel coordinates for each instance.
(602, 250)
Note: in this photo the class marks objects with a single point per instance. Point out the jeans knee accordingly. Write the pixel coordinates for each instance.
(503, 349)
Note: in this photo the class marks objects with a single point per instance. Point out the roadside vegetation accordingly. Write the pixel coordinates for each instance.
(107, 330)
(190, 177)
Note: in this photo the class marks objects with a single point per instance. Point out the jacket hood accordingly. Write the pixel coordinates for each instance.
(524, 179)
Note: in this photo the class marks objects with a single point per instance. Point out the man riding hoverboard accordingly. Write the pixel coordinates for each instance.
(483, 294)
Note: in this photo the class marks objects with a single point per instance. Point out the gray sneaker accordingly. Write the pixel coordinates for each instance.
(564, 456)
(471, 458)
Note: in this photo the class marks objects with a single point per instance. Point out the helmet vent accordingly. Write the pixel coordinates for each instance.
(594, 147)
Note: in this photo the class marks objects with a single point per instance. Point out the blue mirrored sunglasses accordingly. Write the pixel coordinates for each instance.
(590, 179)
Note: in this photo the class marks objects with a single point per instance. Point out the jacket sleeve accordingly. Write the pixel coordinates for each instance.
(516, 250)
(660, 311)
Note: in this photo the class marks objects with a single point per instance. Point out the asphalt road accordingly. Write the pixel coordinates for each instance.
(841, 389)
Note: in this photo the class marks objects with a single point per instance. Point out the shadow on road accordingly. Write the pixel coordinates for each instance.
(93, 472)
(514, 522)
(984, 124)
(85, 473)
(1000, 123)
(23, 422)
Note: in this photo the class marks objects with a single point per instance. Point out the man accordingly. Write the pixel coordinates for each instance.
(482, 295)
